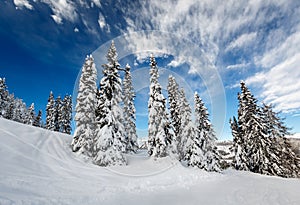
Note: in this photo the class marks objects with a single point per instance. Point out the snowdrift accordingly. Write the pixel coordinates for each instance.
(38, 167)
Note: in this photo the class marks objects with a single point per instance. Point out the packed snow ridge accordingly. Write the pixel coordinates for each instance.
(38, 167)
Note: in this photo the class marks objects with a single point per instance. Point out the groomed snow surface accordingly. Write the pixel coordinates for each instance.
(38, 167)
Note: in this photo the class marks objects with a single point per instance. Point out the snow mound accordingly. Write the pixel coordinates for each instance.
(38, 167)
(294, 136)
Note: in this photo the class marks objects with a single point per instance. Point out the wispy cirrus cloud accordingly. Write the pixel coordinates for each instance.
(238, 66)
(215, 26)
(279, 53)
(245, 40)
(280, 85)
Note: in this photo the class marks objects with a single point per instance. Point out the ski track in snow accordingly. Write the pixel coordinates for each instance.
(39, 168)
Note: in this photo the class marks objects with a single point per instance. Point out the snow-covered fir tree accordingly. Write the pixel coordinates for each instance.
(204, 153)
(66, 115)
(187, 128)
(38, 120)
(31, 114)
(239, 161)
(85, 109)
(19, 112)
(174, 108)
(275, 125)
(110, 135)
(50, 113)
(129, 112)
(160, 133)
(260, 146)
(283, 161)
(58, 114)
(253, 131)
(8, 114)
(4, 98)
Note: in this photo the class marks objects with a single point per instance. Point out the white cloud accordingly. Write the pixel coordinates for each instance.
(279, 82)
(280, 85)
(22, 4)
(244, 40)
(57, 19)
(237, 66)
(84, 4)
(285, 49)
(207, 23)
(258, 78)
(76, 30)
(96, 2)
(213, 24)
(91, 29)
(101, 21)
(175, 63)
(62, 9)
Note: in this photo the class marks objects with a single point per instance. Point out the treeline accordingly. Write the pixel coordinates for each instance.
(15, 109)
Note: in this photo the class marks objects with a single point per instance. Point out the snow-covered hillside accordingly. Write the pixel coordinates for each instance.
(38, 167)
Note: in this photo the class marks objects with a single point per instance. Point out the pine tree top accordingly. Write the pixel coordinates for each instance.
(153, 63)
(153, 71)
(127, 68)
(112, 54)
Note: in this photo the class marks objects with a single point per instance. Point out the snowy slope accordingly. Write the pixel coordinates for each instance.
(37, 167)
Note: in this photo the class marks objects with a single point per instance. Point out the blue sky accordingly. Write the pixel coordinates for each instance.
(208, 45)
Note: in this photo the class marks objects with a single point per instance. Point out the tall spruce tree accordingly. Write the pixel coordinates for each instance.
(275, 124)
(31, 114)
(129, 112)
(110, 139)
(260, 147)
(8, 114)
(174, 108)
(283, 161)
(254, 132)
(19, 112)
(4, 98)
(85, 109)
(204, 153)
(160, 134)
(58, 114)
(174, 101)
(50, 113)
(239, 161)
(187, 128)
(196, 153)
(66, 115)
(38, 120)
